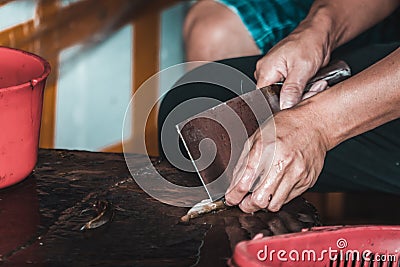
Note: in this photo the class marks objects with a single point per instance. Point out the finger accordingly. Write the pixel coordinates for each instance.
(258, 160)
(316, 88)
(246, 206)
(247, 174)
(239, 187)
(264, 192)
(237, 172)
(243, 158)
(265, 79)
(239, 169)
(281, 194)
(267, 74)
(292, 89)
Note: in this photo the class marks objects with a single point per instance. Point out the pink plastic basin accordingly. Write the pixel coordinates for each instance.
(22, 80)
(368, 245)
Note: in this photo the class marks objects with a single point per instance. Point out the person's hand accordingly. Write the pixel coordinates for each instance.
(294, 60)
(287, 163)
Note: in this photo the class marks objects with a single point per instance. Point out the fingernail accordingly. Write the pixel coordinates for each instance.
(318, 86)
(258, 236)
(227, 200)
(286, 104)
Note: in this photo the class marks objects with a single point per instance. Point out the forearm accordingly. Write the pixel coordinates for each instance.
(342, 20)
(298, 57)
(358, 104)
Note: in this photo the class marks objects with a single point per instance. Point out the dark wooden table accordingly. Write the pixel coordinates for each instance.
(40, 218)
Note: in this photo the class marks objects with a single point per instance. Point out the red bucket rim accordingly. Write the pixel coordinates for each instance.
(40, 78)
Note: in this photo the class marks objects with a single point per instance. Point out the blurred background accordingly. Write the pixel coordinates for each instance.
(100, 52)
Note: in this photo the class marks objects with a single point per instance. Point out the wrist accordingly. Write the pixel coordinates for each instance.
(322, 22)
(318, 26)
(315, 123)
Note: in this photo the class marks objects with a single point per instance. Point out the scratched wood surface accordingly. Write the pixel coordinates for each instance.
(41, 218)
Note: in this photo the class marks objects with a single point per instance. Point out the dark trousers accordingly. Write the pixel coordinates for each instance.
(370, 161)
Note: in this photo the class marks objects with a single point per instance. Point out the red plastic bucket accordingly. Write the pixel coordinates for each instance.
(22, 80)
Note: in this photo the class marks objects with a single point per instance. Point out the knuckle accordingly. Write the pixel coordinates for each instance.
(261, 80)
(298, 170)
(308, 180)
(242, 188)
(259, 64)
(255, 153)
(299, 176)
(258, 138)
(299, 167)
(280, 142)
(252, 164)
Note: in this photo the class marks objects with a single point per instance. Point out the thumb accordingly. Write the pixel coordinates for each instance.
(292, 88)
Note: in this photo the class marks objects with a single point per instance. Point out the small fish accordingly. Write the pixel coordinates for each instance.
(105, 214)
(203, 207)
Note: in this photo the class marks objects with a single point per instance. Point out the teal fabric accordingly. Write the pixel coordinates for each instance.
(269, 21)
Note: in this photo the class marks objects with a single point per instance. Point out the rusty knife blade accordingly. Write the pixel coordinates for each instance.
(215, 138)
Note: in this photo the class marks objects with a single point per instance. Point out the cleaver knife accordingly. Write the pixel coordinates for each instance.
(214, 138)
